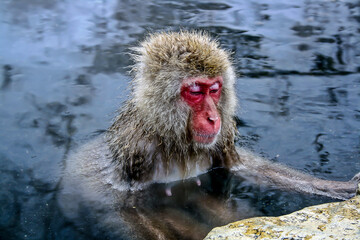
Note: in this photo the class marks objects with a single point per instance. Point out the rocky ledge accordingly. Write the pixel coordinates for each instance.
(339, 220)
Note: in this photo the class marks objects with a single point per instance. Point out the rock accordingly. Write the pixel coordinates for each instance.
(339, 220)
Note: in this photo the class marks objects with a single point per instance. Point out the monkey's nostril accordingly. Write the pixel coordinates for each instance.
(213, 119)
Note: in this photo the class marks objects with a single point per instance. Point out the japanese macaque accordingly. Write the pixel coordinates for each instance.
(178, 124)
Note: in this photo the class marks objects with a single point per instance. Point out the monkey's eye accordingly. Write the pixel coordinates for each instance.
(195, 90)
(215, 88)
(195, 93)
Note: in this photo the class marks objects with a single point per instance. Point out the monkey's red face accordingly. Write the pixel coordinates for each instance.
(203, 95)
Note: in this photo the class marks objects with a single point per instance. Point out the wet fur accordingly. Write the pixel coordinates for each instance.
(153, 126)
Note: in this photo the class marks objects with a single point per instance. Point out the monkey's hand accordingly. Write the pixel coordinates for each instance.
(356, 179)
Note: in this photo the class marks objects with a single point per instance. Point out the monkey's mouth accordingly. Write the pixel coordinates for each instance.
(204, 137)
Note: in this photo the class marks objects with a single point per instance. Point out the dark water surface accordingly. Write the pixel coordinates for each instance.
(64, 74)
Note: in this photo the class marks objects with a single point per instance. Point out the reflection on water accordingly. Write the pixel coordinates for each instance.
(64, 67)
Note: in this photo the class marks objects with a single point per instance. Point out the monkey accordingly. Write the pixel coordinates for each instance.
(175, 132)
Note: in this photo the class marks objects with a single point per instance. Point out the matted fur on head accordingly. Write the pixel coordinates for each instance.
(192, 52)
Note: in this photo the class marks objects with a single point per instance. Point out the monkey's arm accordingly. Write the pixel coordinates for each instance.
(263, 171)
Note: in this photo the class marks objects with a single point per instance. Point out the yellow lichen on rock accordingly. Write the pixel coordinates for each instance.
(340, 220)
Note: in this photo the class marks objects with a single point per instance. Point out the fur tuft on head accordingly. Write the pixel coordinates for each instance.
(152, 127)
(192, 52)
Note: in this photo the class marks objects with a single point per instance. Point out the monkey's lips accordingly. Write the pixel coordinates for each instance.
(205, 138)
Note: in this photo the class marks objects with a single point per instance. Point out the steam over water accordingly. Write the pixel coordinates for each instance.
(63, 74)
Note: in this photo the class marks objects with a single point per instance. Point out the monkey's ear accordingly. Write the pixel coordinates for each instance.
(239, 122)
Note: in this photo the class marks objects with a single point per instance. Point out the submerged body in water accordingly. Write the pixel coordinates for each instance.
(100, 205)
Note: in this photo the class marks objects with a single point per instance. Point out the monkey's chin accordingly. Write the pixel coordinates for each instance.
(205, 138)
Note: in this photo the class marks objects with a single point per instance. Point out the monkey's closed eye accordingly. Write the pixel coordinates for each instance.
(196, 93)
(215, 88)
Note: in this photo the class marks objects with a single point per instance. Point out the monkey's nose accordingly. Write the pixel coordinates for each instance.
(213, 119)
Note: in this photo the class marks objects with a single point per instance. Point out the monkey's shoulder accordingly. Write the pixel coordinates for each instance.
(91, 166)
(88, 179)
(86, 195)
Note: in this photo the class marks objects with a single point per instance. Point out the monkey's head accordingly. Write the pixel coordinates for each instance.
(183, 86)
